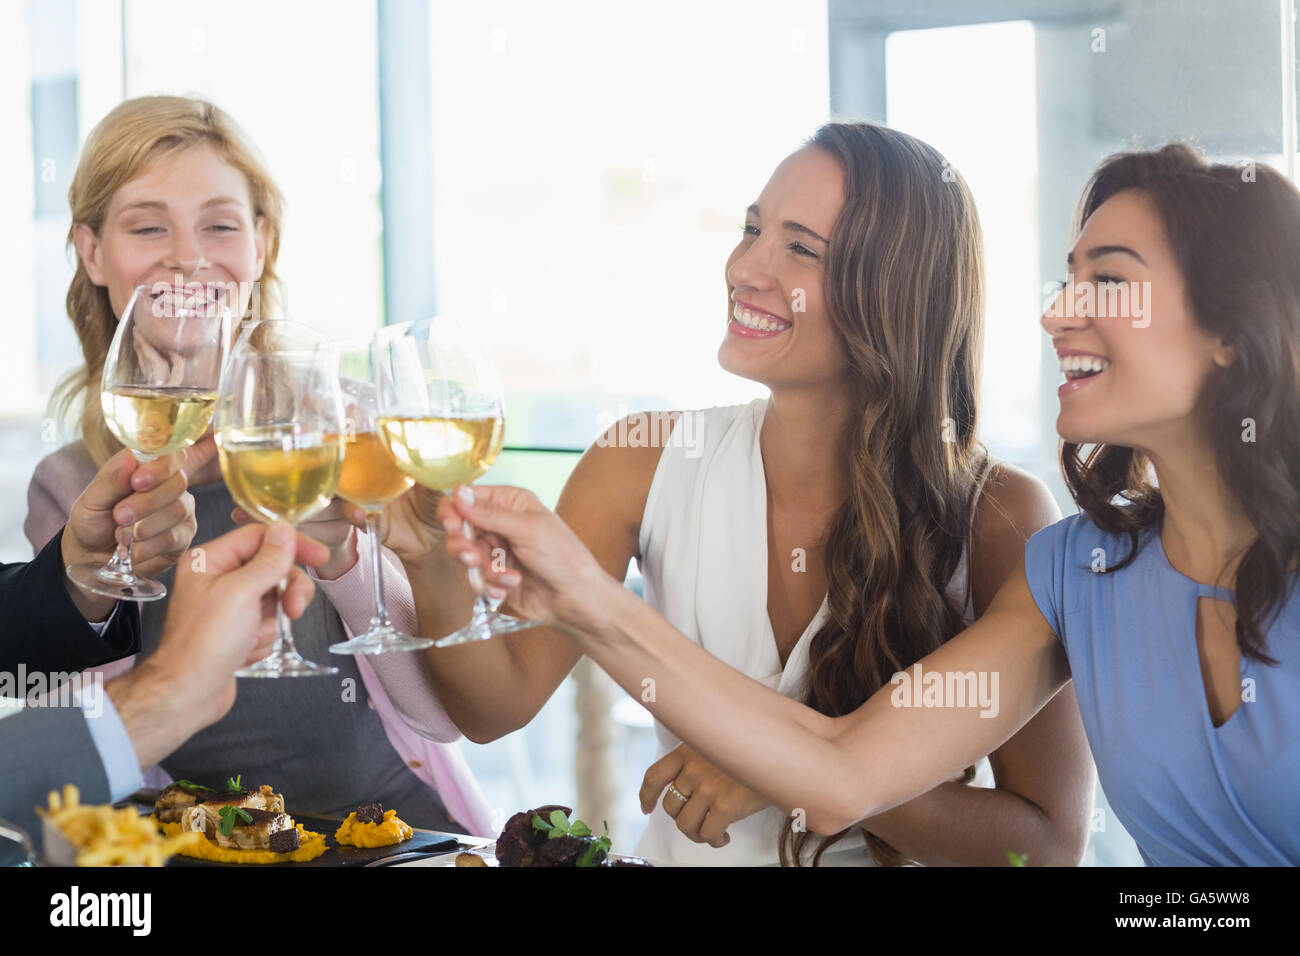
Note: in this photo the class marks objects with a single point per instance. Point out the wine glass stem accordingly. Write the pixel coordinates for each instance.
(380, 620)
(475, 575)
(120, 562)
(481, 610)
(283, 634)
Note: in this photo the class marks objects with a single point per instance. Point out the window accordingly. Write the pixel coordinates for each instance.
(587, 195)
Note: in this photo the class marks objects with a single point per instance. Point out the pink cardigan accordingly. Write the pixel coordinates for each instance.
(422, 733)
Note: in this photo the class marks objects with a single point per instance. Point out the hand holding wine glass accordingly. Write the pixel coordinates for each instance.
(279, 426)
(410, 526)
(442, 416)
(550, 576)
(370, 479)
(159, 387)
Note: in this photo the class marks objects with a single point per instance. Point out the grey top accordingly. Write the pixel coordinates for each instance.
(317, 740)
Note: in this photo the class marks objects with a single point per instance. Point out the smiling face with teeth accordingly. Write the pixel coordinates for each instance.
(186, 209)
(1128, 384)
(778, 332)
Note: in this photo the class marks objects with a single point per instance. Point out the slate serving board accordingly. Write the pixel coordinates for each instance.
(424, 841)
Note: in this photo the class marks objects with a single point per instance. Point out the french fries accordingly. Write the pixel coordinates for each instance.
(102, 836)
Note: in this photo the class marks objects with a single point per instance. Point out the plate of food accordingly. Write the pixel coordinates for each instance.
(544, 836)
(242, 825)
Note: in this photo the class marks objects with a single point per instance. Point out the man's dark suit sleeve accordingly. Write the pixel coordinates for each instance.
(42, 629)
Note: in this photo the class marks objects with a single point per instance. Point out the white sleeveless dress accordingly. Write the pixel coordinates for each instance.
(704, 559)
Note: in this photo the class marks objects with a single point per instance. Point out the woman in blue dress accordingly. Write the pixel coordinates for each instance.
(1171, 599)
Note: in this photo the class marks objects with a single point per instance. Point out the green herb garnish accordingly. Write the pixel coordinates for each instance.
(603, 843)
(191, 785)
(1017, 859)
(559, 826)
(228, 816)
(233, 783)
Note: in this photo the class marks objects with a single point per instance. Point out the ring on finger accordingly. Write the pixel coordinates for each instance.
(677, 793)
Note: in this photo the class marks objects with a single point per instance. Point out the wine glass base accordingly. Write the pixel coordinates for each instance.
(485, 627)
(100, 580)
(381, 640)
(286, 665)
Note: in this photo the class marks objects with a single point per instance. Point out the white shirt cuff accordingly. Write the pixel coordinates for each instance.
(116, 752)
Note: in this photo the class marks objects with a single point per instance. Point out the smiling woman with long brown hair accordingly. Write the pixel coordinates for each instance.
(1176, 613)
(820, 539)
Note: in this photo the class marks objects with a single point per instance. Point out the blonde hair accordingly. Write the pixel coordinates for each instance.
(117, 150)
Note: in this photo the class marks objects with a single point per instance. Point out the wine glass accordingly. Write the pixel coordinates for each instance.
(279, 422)
(371, 479)
(442, 416)
(158, 391)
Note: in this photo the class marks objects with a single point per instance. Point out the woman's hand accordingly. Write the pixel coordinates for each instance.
(331, 529)
(147, 499)
(557, 581)
(410, 525)
(713, 801)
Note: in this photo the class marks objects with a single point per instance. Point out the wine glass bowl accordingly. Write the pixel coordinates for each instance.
(279, 421)
(157, 393)
(442, 417)
(370, 479)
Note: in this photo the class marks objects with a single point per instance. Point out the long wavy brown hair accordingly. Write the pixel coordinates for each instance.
(905, 292)
(1235, 234)
(128, 139)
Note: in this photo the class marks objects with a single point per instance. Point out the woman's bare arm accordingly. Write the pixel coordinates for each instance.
(491, 688)
(836, 770)
(1045, 779)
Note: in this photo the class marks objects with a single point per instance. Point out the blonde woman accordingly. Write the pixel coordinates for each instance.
(168, 190)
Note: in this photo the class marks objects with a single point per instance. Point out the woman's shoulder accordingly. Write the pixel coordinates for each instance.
(637, 442)
(1012, 501)
(620, 467)
(1012, 505)
(71, 464)
(69, 467)
(1078, 534)
(58, 480)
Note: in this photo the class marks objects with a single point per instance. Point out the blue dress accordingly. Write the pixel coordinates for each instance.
(1189, 793)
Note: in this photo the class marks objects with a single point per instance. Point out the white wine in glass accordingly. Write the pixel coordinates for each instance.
(279, 428)
(158, 392)
(444, 452)
(442, 416)
(370, 479)
(158, 420)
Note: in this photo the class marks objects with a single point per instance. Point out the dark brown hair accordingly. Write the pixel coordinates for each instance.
(1235, 234)
(905, 293)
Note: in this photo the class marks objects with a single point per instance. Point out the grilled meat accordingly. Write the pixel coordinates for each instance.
(269, 830)
(519, 842)
(177, 798)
